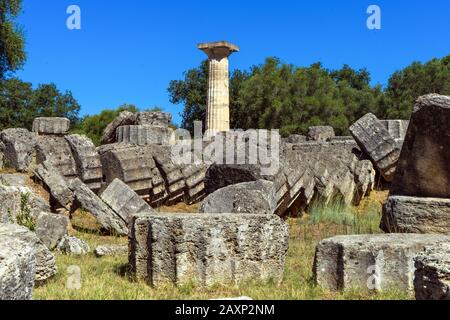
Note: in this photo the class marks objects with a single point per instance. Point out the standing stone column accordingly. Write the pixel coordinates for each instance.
(218, 104)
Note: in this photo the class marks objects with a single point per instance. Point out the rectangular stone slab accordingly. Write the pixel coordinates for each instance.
(207, 249)
(416, 215)
(350, 262)
(424, 166)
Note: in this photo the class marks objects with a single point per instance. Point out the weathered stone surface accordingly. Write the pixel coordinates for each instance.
(321, 134)
(314, 170)
(396, 128)
(249, 197)
(89, 166)
(207, 249)
(73, 246)
(18, 148)
(109, 134)
(416, 215)
(89, 201)
(423, 169)
(350, 262)
(56, 184)
(131, 164)
(432, 277)
(17, 269)
(153, 118)
(56, 126)
(19, 201)
(296, 138)
(13, 179)
(51, 228)
(142, 135)
(124, 201)
(56, 150)
(375, 140)
(110, 250)
(45, 260)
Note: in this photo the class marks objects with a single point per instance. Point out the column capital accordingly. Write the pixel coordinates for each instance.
(218, 50)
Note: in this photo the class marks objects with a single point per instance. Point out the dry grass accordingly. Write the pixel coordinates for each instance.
(108, 278)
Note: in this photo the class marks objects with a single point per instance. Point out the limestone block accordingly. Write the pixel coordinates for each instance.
(154, 118)
(109, 134)
(45, 260)
(20, 200)
(296, 138)
(207, 249)
(57, 150)
(372, 262)
(17, 269)
(51, 228)
(110, 250)
(18, 148)
(249, 197)
(13, 179)
(88, 162)
(89, 201)
(142, 135)
(56, 184)
(131, 164)
(321, 134)
(124, 201)
(432, 275)
(416, 215)
(375, 140)
(397, 128)
(423, 169)
(72, 246)
(53, 126)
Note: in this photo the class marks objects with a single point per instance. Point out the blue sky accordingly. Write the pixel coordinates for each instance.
(128, 51)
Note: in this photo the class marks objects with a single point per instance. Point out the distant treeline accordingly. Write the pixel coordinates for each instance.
(290, 98)
(271, 95)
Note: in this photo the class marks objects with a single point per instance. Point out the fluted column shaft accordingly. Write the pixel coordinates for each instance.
(218, 104)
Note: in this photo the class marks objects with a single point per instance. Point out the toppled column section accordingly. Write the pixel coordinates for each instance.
(18, 148)
(420, 194)
(350, 262)
(207, 249)
(248, 197)
(56, 184)
(375, 140)
(89, 166)
(142, 135)
(396, 128)
(51, 126)
(57, 150)
(109, 134)
(124, 201)
(17, 269)
(108, 219)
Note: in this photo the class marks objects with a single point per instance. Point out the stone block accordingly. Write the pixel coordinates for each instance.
(375, 140)
(51, 228)
(370, 262)
(320, 134)
(207, 249)
(17, 269)
(52, 126)
(18, 148)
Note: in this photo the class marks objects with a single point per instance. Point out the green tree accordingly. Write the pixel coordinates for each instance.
(418, 79)
(12, 42)
(20, 104)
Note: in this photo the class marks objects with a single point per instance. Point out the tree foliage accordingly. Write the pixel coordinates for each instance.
(20, 103)
(12, 42)
(290, 98)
